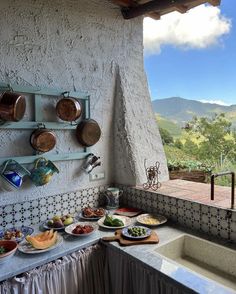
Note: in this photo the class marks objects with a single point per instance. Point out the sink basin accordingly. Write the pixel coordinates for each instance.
(206, 258)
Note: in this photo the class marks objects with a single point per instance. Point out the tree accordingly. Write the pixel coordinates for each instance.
(178, 144)
(166, 137)
(217, 140)
(190, 147)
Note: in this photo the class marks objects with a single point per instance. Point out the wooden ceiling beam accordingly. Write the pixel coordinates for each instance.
(154, 15)
(181, 8)
(214, 2)
(159, 6)
(125, 3)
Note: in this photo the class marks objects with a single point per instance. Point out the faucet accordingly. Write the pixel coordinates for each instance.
(213, 176)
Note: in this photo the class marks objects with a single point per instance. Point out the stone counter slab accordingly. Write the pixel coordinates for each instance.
(20, 262)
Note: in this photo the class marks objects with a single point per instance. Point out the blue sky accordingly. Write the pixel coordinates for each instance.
(193, 55)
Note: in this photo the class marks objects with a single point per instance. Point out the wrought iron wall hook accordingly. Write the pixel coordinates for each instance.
(152, 174)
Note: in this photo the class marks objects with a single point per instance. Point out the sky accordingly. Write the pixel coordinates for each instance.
(193, 55)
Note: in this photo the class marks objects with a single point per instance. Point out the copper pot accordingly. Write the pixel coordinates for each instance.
(12, 106)
(43, 140)
(88, 132)
(68, 109)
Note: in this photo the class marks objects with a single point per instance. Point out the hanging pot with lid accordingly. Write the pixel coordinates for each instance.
(68, 109)
(88, 132)
(12, 106)
(43, 140)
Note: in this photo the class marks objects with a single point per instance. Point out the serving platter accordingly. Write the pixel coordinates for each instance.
(27, 248)
(45, 226)
(126, 220)
(24, 230)
(93, 218)
(69, 229)
(151, 220)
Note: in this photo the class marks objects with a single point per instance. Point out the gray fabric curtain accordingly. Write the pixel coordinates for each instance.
(95, 270)
(129, 276)
(79, 273)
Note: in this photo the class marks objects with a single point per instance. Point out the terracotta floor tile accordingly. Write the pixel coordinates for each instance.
(198, 192)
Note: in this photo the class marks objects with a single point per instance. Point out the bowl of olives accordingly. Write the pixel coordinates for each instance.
(136, 232)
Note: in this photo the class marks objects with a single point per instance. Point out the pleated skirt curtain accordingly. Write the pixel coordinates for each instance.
(129, 276)
(96, 270)
(81, 272)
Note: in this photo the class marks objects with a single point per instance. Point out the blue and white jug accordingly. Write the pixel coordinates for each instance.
(11, 175)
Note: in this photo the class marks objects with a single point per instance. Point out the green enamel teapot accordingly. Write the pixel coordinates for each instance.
(43, 171)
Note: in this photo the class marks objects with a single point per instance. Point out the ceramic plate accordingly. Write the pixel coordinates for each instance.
(45, 226)
(127, 234)
(128, 211)
(95, 218)
(126, 220)
(71, 227)
(25, 230)
(26, 247)
(151, 220)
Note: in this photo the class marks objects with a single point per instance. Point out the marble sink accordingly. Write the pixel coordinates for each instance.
(211, 260)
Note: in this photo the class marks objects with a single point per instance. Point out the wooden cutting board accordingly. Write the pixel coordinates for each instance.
(152, 239)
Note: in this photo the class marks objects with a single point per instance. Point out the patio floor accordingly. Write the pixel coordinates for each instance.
(198, 192)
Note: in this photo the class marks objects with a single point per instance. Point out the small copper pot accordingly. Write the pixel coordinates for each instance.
(12, 106)
(68, 109)
(43, 140)
(88, 132)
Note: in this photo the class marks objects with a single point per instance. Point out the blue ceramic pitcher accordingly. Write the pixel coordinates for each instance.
(11, 176)
(43, 171)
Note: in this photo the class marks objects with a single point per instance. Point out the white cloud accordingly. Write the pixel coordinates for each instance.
(199, 28)
(220, 102)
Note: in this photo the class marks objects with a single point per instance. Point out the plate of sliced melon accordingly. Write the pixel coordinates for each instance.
(41, 242)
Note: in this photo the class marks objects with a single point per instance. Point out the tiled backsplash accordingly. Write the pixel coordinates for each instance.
(37, 211)
(208, 219)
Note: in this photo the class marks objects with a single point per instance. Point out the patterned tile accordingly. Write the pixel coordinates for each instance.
(37, 211)
(202, 217)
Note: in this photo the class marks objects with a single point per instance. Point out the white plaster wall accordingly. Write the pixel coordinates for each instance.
(81, 45)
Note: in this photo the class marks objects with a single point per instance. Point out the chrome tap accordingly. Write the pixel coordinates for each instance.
(232, 185)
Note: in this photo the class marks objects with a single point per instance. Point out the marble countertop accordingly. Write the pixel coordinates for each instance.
(21, 262)
(146, 255)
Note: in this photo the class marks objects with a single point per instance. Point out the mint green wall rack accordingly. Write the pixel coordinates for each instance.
(38, 120)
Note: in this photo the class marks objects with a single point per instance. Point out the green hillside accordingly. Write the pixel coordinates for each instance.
(173, 113)
(173, 128)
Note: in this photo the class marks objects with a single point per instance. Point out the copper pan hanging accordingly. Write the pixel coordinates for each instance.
(68, 108)
(43, 140)
(12, 106)
(88, 132)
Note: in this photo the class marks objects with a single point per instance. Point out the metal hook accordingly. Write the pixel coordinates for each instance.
(66, 92)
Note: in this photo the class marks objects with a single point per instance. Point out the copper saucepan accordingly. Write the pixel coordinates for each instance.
(88, 132)
(43, 140)
(68, 109)
(12, 106)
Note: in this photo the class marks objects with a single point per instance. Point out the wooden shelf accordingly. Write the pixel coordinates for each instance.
(38, 93)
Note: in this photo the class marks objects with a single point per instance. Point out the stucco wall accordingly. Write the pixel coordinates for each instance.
(82, 45)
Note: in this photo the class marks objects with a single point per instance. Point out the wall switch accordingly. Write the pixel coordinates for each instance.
(97, 176)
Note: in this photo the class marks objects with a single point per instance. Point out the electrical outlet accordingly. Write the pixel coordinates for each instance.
(97, 176)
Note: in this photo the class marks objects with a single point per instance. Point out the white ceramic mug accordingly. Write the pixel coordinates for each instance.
(112, 195)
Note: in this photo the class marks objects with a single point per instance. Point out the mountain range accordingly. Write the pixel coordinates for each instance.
(172, 113)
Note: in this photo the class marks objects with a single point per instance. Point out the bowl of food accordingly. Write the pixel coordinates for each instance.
(7, 249)
(58, 222)
(136, 232)
(89, 213)
(17, 234)
(151, 220)
(81, 229)
(114, 221)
